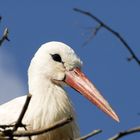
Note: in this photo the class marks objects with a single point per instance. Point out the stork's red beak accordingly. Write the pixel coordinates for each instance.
(77, 80)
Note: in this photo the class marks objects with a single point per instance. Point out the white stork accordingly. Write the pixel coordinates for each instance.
(53, 66)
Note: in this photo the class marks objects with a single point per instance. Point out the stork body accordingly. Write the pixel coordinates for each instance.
(54, 65)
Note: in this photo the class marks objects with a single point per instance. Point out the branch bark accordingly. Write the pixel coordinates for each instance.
(42, 131)
(24, 109)
(125, 133)
(11, 133)
(102, 24)
(4, 36)
(6, 126)
(95, 132)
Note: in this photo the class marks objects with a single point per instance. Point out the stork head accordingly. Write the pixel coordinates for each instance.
(58, 62)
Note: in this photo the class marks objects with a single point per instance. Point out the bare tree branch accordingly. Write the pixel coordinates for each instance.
(4, 126)
(41, 131)
(24, 109)
(19, 121)
(125, 133)
(11, 133)
(95, 132)
(4, 36)
(93, 34)
(102, 24)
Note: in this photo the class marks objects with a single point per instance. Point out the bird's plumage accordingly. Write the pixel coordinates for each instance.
(49, 102)
(53, 66)
(10, 111)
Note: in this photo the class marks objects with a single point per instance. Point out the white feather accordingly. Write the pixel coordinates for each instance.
(49, 102)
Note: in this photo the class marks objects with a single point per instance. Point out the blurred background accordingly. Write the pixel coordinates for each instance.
(32, 23)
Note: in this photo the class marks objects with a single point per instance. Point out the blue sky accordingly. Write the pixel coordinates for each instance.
(32, 23)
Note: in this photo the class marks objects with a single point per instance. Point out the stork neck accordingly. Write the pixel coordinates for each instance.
(52, 100)
(39, 85)
(44, 92)
(49, 103)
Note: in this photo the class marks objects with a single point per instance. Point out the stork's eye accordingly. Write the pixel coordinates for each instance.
(56, 57)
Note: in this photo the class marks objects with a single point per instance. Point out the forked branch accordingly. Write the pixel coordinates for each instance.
(45, 130)
(24, 109)
(4, 36)
(91, 134)
(102, 24)
(125, 133)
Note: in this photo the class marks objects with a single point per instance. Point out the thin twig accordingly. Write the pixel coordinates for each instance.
(95, 132)
(27, 130)
(9, 132)
(98, 27)
(4, 126)
(28, 133)
(24, 109)
(93, 34)
(125, 133)
(133, 55)
(4, 36)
